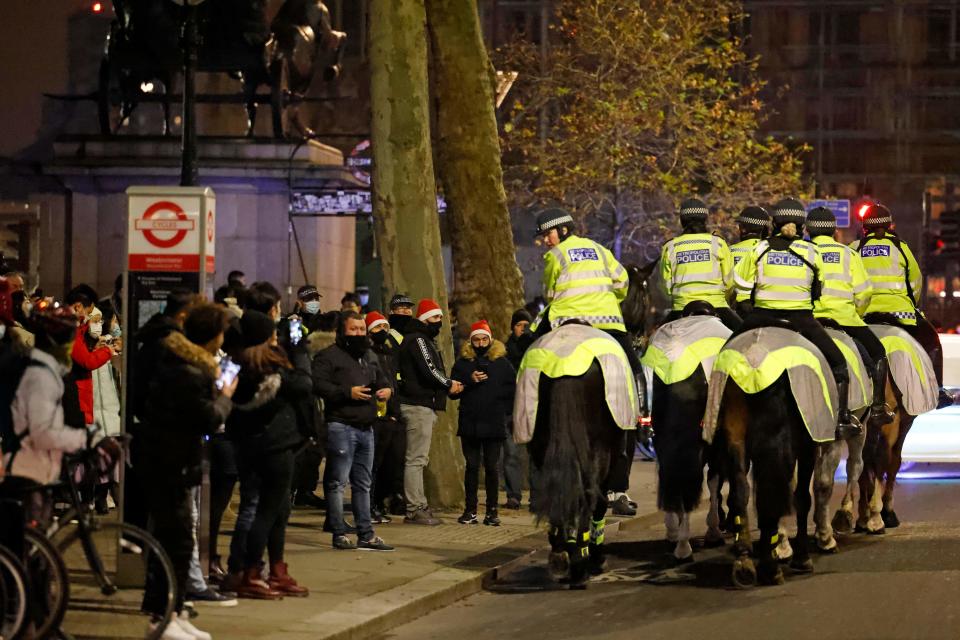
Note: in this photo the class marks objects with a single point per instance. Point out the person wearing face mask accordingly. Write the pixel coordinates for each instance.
(401, 311)
(308, 306)
(424, 386)
(87, 358)
(349, 379)
(390, 439)
(486, 401)
(19, 337)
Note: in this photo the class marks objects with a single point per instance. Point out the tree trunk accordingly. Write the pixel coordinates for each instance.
(405, 198)
(488, 284)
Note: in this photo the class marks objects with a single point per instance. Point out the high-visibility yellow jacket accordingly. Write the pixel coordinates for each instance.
(583, 281)
(894, 275)
(780, 279)
(846, 288)
(697, 266)
(743, 248)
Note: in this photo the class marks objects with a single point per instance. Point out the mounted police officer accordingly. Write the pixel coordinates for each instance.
(785, 276)
(754, 226)
(698, 266)
(897, 285)
(581, 281)
(845, 296)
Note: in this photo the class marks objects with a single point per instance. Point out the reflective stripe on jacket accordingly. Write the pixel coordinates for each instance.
(583, 281)
(846, 288)
(742, 248)
(780, 278)
(697, 266)
(887, 267)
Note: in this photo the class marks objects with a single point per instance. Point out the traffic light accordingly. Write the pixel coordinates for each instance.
(950, 232)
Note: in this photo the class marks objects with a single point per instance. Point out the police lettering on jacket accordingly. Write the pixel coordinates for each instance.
(875, 251)
(783, 259)
(697, 255)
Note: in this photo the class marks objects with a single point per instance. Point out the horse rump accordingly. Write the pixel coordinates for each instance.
(677, 419)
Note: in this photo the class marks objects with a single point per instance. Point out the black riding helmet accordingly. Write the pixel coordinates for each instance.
(788, 210)
(877, 216)
(553, 218)
(754, 221)
(821, 222)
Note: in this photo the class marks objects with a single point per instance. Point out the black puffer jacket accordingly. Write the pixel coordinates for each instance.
(182, 406)
(334, 373)
(386, 355)
(149, 341)
(265, 417)
(485, 407)
(423, 378)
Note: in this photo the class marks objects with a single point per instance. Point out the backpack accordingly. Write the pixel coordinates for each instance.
(12, 367)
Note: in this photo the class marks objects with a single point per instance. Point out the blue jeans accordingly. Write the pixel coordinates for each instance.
(249, 498)
(349, 457)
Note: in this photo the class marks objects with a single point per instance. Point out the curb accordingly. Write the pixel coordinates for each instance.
(386, 610)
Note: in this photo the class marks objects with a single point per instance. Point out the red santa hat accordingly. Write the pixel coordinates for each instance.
(481, 328)
(426, 309)
(374, 319)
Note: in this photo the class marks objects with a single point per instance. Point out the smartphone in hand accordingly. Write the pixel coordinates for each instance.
(295, 331)
(229, 370)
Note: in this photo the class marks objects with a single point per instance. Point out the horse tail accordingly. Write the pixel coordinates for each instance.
(770, 442)
(677, 415)
(568, 483)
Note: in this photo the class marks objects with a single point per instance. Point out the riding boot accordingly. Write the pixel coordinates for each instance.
(879, 410)
(944, 399)
(848, 426)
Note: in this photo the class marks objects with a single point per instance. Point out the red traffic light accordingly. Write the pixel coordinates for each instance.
(862, 211)
(97, 7)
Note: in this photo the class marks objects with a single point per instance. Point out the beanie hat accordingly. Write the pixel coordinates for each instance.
(426, 309)
(481, 328)
(520, 315)
(551, 219)
(693, 210)
(400, 300)
(374, 319)
(821, 222)
(788, 210)
(755, 219)
(256, 327)
(877, 216)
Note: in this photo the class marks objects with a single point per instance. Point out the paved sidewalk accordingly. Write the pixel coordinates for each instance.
(356, 594)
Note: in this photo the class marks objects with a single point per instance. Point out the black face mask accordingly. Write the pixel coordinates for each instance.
(399, 321)
(356, 346)
(433, 329)
(379, 337)
(481, 351)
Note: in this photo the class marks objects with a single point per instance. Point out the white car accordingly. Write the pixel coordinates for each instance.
(935, 435)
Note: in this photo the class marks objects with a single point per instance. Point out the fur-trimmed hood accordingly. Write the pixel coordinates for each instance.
(497, 350)
(266, 391)
(177, 344)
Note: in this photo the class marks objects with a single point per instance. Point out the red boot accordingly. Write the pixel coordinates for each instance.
(255, 588)
(283, 582)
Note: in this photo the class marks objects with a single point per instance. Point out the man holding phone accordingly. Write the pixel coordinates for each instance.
(350, 381)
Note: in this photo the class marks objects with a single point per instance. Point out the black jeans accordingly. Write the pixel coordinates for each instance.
(223, 478)
(488, 450)
(269, 529)
(618, 478)
(171, 522)
(389, 458)
(806, 325)
(727, 316)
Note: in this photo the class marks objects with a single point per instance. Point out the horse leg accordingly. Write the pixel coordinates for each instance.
(843, 519)
(768, 565)
(714, 536)
(744, 572)
(671, 520)
(823, 481)
(683, 552)
(559, 555)
(579, 550)
(598, 560)
(806, 462)
(889, 516)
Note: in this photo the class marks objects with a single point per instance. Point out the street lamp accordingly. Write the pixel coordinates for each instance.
(188, 138)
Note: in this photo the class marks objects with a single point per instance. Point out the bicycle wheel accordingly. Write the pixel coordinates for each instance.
(109, 569)
(13, 596)
(50, 585)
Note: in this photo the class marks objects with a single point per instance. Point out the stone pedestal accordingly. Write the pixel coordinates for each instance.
(82, 225)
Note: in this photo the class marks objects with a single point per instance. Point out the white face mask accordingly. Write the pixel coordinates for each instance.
(312, 307)
(95, 329)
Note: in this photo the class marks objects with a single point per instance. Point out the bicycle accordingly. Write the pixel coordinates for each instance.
(14, 596)
(96, 569)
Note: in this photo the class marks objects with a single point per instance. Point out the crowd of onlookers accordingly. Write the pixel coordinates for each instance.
(265, 397)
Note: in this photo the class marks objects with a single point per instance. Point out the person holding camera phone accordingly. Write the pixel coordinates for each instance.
(486, 402)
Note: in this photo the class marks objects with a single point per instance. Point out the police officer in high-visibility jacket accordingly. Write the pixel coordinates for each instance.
(897, 285)
(581, 281)
(785, 276)
(845, 297)
(753, 223)
(697, 266)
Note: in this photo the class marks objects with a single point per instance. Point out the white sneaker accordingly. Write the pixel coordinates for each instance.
(187, 626)
(173, 631)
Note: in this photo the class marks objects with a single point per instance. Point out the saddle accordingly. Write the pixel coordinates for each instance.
(569, 351)
(756, 359)
(678, 348)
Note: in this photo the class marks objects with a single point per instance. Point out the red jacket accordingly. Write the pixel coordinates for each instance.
(84, 362)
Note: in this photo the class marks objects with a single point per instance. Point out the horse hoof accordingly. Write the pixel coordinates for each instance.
(770, 574)
(559, 565)
(804, 565)
(890, 519)
(842, 522)
(876, 532)
(744, 573)
(681, 561)
(828, 550)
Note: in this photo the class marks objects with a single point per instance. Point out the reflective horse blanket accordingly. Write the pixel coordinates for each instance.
(679, 347)
(910, 368)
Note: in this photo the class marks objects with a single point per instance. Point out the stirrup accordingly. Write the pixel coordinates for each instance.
(881, 413)
(848, 427)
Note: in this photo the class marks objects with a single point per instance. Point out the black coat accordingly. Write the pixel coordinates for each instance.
(182, 406)
(149, 341)
(335, 372)
(485, 407)
(265, 408)
(386, 355)
(516, 347)
(423, 378)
